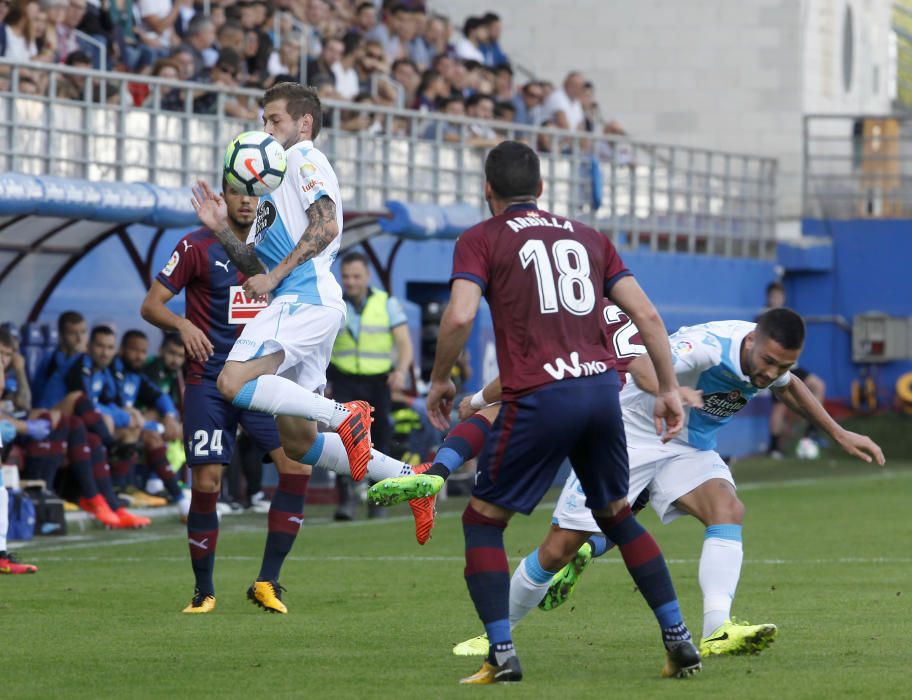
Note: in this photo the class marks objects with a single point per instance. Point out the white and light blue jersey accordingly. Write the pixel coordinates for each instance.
(706, 357)
(281, 220)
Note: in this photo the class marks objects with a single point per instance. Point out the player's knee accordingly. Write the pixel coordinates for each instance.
(207, 478)
(729, 511)
(228, 385)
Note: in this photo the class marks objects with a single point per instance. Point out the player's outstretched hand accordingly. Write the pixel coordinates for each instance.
(668, 408)
(210, 207)
(198, 346)
(861, 446)
(440, 403)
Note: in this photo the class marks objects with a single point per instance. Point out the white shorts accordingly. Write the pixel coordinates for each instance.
(304, 332)
(668, 473)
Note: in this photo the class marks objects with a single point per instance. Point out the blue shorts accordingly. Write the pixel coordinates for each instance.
(210, 426)
(575, 419)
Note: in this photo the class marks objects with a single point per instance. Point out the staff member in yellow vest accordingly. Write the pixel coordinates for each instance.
(362, 365)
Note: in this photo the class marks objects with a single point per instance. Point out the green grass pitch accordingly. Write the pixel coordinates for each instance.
(373, 615)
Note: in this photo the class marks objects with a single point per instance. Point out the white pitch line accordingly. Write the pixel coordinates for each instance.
(406, 558)
(320, 523)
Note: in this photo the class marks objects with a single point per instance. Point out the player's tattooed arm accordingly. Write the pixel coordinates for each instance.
(241, 254)
(321, 230)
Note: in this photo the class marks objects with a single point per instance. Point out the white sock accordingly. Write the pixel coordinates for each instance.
(527, 587)
(335, 459)
(720, 569)
(4, 517)
(282, 397)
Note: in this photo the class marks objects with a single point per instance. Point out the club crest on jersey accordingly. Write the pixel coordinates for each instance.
(172, 263)
(518, 223)
(266, 216)
(723, 404)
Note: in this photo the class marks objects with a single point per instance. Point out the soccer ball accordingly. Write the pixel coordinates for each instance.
(254, 163)
(807, 449)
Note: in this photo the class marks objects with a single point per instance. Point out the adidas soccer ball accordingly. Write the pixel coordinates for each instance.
(254, 163)
(807, 449)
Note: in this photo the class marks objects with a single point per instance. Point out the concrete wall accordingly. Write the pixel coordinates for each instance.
(733, 75)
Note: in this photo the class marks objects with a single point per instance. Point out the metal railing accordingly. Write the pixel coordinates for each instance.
(643, 195)
(857, 166)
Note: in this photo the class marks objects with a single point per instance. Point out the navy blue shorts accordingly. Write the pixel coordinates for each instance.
(210, 426)
(575, 419)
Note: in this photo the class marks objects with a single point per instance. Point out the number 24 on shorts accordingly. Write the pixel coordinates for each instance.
(202, 445)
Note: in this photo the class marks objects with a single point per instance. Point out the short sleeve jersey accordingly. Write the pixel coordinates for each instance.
(544, 277)
(201, 265)
(706, 357)
(282, 219)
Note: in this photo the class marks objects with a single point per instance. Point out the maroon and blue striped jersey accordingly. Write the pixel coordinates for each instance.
(216, 302)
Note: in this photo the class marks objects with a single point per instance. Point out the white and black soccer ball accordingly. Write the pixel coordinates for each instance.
(254, 163)
(807, 448)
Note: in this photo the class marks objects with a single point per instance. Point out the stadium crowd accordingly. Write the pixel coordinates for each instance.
(390, 53)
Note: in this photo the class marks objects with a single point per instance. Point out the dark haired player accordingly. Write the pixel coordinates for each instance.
(216, 310)
(729, 362)
(545, 277)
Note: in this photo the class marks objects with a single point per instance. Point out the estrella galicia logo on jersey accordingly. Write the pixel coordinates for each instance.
(723, 404)
(560, 368)
(266, 216)
(172, 263)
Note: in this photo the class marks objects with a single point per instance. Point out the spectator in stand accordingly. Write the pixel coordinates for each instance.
(361, 121)
(444, 130)
(437, 34)
(321, 69)
(371, 62)
(564, 109)
(493, 55)
(432, 90)
(200, 42)
(66, 30)
(528, 104)
(474, 35)
(45, 36)
(365, 19)
(156, 30)
(286, 60)
(172, 99)
(405, 72)
(20, 37)
(344, 70)
(230, 36)
(481, 107)
(96, 22)
(72, 86)
(504, 111)
(317, 16)
(478, 78)
(594, 121)
(410, 32)
(257, 50)
(503, 83)
(184, 60)
(225, 72)
(459, 80)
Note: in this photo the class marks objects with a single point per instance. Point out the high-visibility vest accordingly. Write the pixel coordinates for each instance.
(372, 352)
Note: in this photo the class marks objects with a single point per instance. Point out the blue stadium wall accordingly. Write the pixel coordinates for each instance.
(858, 266)
(688, 289)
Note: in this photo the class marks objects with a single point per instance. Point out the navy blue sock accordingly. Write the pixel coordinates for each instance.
(285, 515)
(487, 576)
(157, 461)
(647, 567)
(202, 536)
(462, 443)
